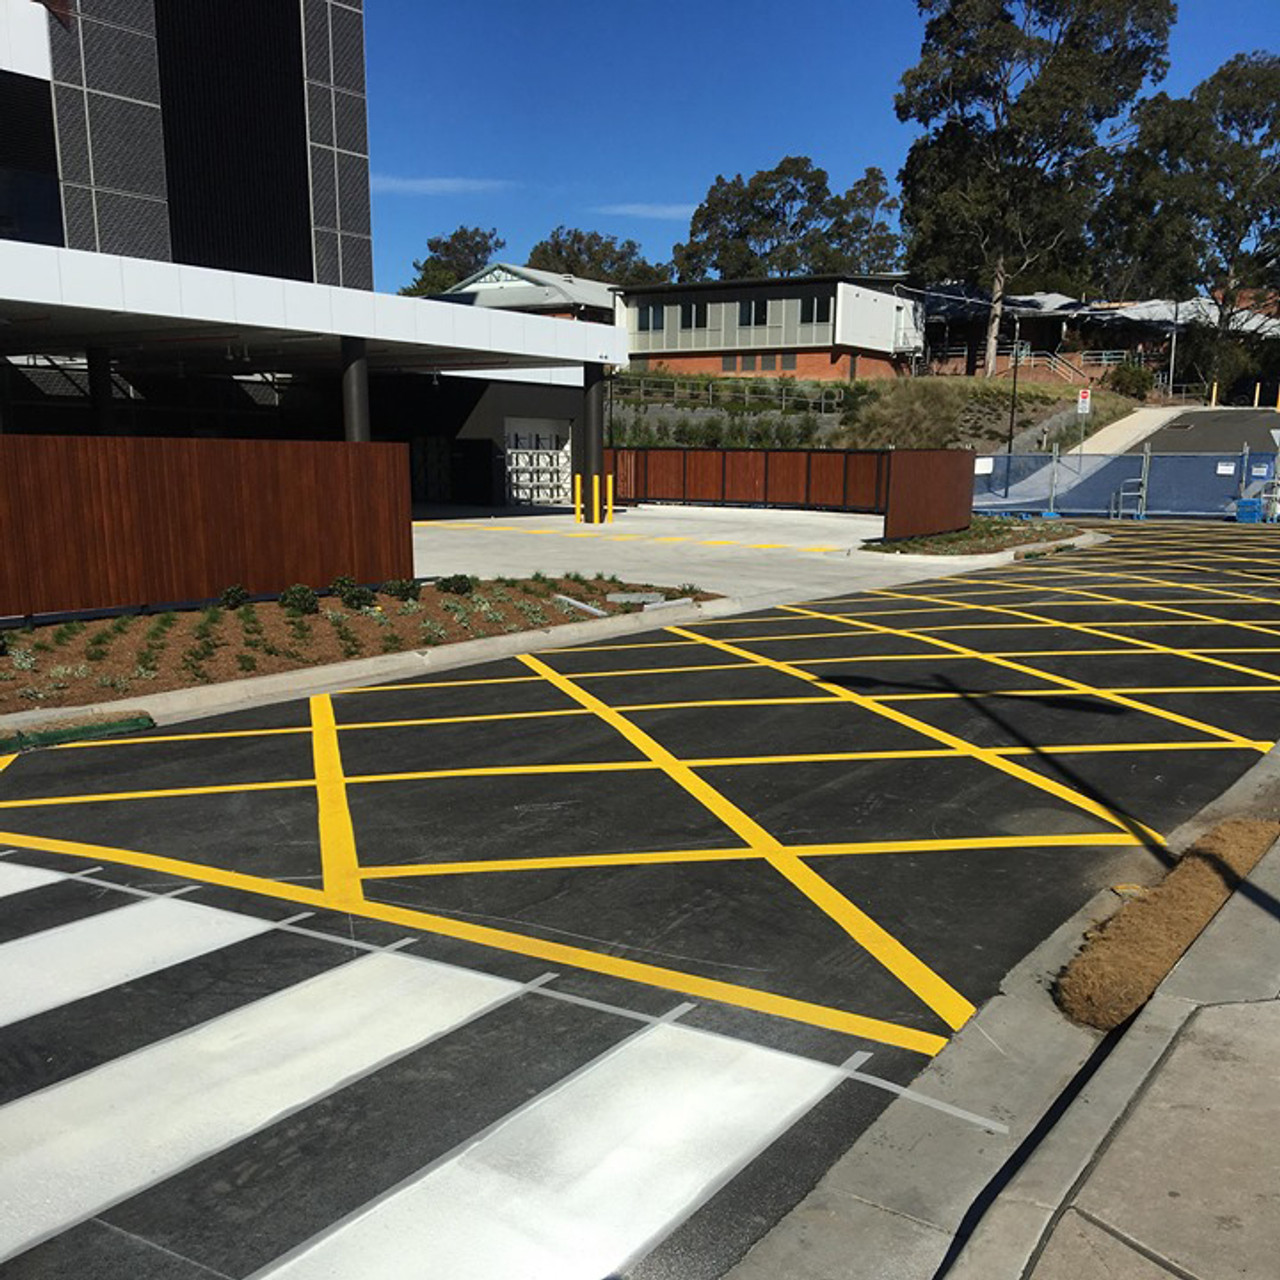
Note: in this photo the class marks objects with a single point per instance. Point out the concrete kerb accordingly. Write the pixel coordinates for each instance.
(260, 691)
(1235, 959)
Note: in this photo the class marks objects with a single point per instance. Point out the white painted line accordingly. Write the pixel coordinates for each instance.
(54, 967)
(901, 1091)
(76, 1148)
(587, 1176)
(15, 878)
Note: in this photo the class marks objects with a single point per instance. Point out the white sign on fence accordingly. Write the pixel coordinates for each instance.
(1259, 470)
(1083, 397)
(983, 466)
(1226, 468)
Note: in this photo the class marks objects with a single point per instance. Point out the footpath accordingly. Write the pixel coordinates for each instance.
(1167, 1162)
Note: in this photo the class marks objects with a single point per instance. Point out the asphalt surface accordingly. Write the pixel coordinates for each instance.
(586, 964)
(1216, 431)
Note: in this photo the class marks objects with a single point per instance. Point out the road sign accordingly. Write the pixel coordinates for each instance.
(1083, 396)
(1275, 435)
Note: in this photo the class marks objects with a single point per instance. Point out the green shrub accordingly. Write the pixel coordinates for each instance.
(299, 598)
(401, 589)
(343, 582)
(1131, 380)
(457, 584)
(357, 598)
(233, 597)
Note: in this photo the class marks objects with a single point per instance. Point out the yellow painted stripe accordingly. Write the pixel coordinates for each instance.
(508, 771)
(982, 754)
(435, 684)
(178, 737)
(943, 999)
(552, 952)
(338, 858)
(170, 793)
(6, 761)
(1092, 840)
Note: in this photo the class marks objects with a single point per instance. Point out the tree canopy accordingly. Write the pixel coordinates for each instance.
(786, 221)
(594, 256)
(452, 258)
(1000, 187)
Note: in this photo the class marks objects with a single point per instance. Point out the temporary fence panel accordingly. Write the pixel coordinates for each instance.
(1072, 484)
(115, 521)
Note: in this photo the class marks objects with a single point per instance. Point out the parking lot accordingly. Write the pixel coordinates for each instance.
(586, 963)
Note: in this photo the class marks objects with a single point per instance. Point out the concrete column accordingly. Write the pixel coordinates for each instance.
(355, 389)
(592, 449)
(100, 389)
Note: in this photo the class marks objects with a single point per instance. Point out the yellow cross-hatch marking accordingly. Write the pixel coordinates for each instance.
(337, 836)
(943, 999)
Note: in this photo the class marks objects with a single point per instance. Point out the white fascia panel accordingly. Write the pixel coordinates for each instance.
(308, 307)
(473, 327)
(24, 39)
(30, 272)
(395, 317)
(354, 314)
(206, 294)
(151, 288)
(91, 280)
(259, 300)
(865, 319)
(433, 323)
(553, 376)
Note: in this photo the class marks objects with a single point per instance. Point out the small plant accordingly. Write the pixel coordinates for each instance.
(246, 662)
(23, 660)
(66, 633)
(432, 632)
(342, 583)
(409, 608)
(401, 589)
(688, 589)
(299, 598)
(575, 577)
(234, 597)
(348, 641)
(538, 576)
(533, 613)
(358, 598)
(457, 584)
(391, 642)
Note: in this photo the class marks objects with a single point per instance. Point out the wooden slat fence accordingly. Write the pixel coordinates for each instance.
(919, 491)
(106, 522)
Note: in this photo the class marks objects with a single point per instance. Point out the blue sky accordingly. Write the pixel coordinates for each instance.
(523, 114)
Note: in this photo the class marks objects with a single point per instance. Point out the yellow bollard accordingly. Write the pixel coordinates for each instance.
(1257, 393)
(1213, 399)
(595, 499)
(577, 499)
(608, 498)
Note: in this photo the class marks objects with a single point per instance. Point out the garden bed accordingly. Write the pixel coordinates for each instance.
(986, 535)
(78, 663)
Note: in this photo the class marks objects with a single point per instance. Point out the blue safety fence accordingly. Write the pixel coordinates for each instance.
(1130, 484)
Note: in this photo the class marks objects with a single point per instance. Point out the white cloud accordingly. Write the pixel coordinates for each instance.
(436, 186)
(668, 212)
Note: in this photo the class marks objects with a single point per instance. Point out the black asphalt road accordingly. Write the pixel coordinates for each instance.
(1216, 431)
(827, 830)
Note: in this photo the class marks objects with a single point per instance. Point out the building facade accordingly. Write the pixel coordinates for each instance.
(229, 135)
(815, 327)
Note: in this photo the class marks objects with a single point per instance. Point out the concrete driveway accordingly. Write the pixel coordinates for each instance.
(591, 963)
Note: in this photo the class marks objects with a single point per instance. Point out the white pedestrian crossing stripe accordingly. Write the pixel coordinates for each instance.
(575, 1185)
(44, 970)
(15, 878)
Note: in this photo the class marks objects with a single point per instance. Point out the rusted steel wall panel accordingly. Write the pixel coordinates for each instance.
(930, 491)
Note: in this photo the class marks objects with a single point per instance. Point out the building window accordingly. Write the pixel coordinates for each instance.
(788, 361)
(768, 363)
(728, 364)
(815, 310)
(753, 312)
(748, 364)
(651, 318)
(693, 315)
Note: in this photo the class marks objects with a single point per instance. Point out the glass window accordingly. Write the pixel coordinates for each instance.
(748, 364)
(652, 318)
(753, 312)
(693, 315)
(815, 310)
(768, 363)
(788, 361)
(728, 364)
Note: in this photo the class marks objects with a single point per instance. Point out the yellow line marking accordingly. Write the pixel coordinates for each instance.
(719, 542)
(1139, 645)
(652, 671)
(982, 754)
(6, 761)
(671, 539)
(432, 720)
(40, 802)
(677, 856)
(337, 836)
(507, 770)
(768, 546)
(552, 952)
(943, 999)
(436, 684)
(178, 737)
(821, 549)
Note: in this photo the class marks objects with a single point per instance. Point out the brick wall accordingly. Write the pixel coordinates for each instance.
(837, 365)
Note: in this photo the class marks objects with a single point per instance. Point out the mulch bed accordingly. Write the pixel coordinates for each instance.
(77, 663)
(987, 534)
(1125, 959)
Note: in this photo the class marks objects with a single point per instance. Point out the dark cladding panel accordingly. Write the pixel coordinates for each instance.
(235, 135)
(328, 270)
(77, 205)
(348, 49)
(64, 45)
(133, 227)
(73, 134)
(357, 262)
(353, 194)
(136, 15)
(320, 113)
(120, 62)
(128, 146)
(323, 188)
(316, 17)
(30, 207)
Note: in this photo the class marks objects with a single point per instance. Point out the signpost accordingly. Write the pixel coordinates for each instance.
(1084, 406)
